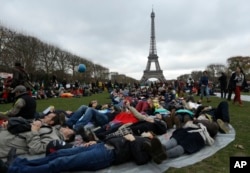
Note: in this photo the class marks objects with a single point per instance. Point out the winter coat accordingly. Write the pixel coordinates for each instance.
(28, 142)
(191, 142)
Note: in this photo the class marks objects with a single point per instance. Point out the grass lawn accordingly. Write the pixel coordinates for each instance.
(218, 163)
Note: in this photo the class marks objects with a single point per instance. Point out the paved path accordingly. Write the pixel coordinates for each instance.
(243, 97)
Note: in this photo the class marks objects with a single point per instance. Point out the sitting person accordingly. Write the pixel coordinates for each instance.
(91, 156)
(35, 140)
(41, 94)
(25, 105)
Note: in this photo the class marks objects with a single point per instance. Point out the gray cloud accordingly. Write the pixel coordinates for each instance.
(116, 33)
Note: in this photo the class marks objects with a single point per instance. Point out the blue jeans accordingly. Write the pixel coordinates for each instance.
(76, 116)
(90, 158)
(202, 90)
(94, 116)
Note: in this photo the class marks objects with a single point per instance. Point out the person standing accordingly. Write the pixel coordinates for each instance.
(238, 83)
(223, 84)
(20, 77)
(190, 85)
(204, 86)
(230, 88)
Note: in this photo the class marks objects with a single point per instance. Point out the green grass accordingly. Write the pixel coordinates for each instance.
(65, 103)
(217, 163)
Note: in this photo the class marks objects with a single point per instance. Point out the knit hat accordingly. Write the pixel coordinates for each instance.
(19, 88)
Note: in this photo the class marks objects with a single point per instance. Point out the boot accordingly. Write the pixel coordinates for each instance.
(3, 167)
(156, 150)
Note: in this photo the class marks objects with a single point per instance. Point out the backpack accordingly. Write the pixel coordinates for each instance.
(18, 125)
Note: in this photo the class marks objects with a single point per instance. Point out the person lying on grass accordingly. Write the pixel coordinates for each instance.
(91, 156)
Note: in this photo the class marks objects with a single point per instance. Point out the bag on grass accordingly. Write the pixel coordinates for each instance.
(18, 125)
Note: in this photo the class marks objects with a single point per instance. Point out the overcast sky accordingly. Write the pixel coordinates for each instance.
(190, 34)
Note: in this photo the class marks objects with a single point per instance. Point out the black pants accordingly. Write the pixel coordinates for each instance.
(230, 91)
(222, 112)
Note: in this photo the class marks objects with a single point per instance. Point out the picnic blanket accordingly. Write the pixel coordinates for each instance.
(221, 140)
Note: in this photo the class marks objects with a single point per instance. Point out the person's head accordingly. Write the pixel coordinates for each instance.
(54, 118)
(239, 70)
(68, 134)
(93, 103)
(20, 89)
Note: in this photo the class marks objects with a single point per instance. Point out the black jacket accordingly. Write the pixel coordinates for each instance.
(126, 150)
(29, 110)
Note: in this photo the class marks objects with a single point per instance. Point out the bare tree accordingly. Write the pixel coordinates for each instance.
(6, 39)
(47, 58)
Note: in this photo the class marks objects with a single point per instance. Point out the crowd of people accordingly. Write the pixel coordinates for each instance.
(126, 129)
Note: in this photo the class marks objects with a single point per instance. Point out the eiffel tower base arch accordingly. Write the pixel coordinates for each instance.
(158, 74)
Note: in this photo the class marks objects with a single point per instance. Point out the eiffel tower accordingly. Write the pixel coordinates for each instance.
(153, 58)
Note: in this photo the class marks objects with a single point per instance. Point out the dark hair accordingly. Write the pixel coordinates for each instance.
(59, 119)
(92, 102)
(198, 111)
(71, 138)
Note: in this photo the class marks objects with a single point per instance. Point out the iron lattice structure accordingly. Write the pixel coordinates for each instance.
(153, 58)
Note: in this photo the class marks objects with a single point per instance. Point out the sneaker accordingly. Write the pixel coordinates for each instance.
(223, 127)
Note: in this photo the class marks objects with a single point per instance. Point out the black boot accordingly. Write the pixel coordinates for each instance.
(3, 167)
(155, 149)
